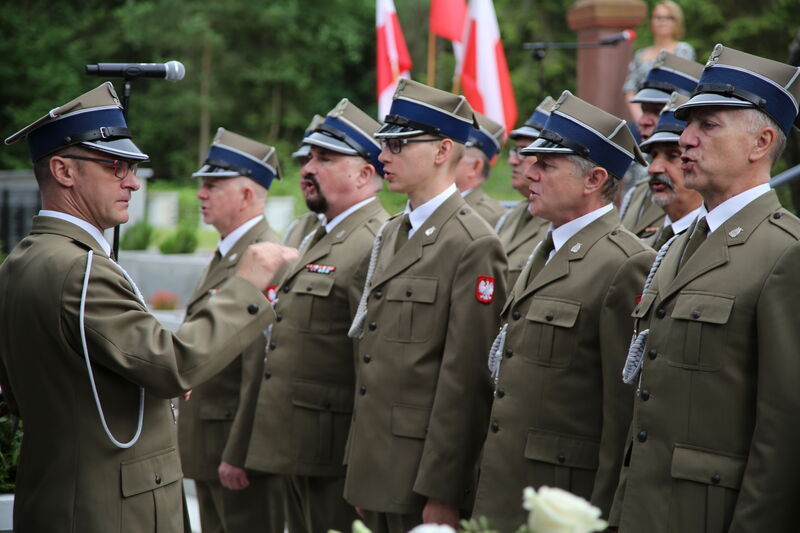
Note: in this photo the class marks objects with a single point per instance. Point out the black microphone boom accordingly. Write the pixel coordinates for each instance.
(171, 70)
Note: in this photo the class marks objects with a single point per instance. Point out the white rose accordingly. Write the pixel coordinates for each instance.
(558, 511)
(433, 528)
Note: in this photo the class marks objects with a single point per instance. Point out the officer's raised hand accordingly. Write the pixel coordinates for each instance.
(262, 260)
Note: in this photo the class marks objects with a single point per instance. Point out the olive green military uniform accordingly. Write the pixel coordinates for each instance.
(561, 410)
(487, 207)
(205, 420)
(301, 413)
(71, 477)
(300, 228)
(422, 385)
(641, 216)
(519, 234)
(714, 441)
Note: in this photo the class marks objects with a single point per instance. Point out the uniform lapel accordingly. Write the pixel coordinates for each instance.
(339, 234)
(573, 250)
(713, 253)
(527, 232)
(411, 252)
(652, 216)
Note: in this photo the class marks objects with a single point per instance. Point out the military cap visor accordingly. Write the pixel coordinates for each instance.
(102, 129)
(302, 152)
(733, 86)
(649, 95)
(525, 131)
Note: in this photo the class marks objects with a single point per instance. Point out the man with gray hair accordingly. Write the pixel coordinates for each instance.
(560, 410)
(714, 438)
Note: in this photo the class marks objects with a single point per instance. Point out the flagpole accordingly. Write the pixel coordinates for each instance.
(431, 59)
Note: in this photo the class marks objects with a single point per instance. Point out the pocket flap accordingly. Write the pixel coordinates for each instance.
(703, 307)
(313, 283)
(150, 472)
(564, 450)
(410, 421)
(214, 411)
(644, 305)
(707, 467)
(410, 289)
(323, 397)
(554, 311)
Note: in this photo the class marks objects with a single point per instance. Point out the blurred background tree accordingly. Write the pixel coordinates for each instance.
(264, 67)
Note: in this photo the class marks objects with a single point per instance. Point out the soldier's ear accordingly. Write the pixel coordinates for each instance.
(445, 151)
(366, 173)
(64, 171)
(595, 180)
(763, 143)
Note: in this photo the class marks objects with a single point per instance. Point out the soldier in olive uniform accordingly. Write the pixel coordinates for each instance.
(300, 416)
(667, 190)
(518, 229)
(83, 362)
(560, 412)
(236, 176)
(714, 438)
(429, 311)
(303, 226)
(669, 73)
(473, 170)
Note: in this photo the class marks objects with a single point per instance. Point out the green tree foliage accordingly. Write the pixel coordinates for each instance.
(264, 67)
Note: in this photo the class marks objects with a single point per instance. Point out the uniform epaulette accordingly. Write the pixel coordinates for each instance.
(475, 225)
(787, 222)
(627, 241)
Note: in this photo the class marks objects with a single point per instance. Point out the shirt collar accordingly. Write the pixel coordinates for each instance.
(680, 225)
(465, 193)
(566, 231)
(88, 228)
(344, 214)
(233, 237)
(419, 215)
(720, 214)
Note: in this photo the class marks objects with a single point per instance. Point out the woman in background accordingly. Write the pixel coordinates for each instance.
(666, 24)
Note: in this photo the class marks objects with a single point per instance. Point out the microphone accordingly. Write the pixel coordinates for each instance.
(171, 70)
(627, 35)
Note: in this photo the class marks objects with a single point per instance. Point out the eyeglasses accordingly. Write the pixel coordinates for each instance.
(121, 167)
(663, 18)
(395, 145)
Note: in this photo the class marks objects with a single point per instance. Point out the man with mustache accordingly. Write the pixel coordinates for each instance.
(667, 189)
(669, 73)
(297, 416)
(236, 177)
(560, 411)
(473, 170)
(84, 364)
(714, 437)
(518, 229)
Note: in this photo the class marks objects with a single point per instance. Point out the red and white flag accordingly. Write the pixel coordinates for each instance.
(393, 60)
(485, 81)
(447, 20)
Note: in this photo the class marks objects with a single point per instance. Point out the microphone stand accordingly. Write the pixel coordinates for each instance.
(126, 96)
(539, 50)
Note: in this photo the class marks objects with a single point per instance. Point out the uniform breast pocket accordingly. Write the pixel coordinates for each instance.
(703, 317)
(549, 338)
(311, 304)
(411, 310)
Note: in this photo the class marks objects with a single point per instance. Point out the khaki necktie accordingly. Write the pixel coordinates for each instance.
(665, 234)
(402, 232)
(318, 235)
(541, 256)
(698, 236)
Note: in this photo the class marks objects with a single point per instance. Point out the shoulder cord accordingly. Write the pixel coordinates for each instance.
(357, 327)
(135, 438)
(626, 201)
(502, 221)
(633, 363)
(499, 343)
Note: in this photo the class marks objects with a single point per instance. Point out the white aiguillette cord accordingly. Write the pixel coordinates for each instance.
(135, 438)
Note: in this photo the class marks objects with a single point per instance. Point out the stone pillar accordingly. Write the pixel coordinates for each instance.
(602, 71)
